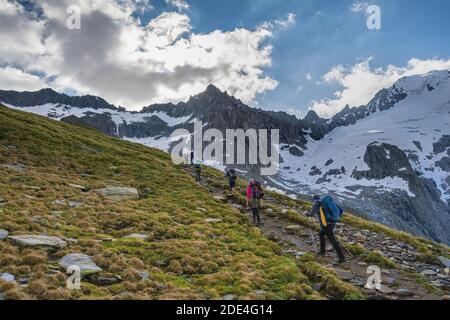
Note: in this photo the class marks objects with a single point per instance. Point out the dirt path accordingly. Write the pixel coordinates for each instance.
(297, 240)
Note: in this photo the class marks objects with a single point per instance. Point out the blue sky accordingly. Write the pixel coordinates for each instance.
(323, 60)
(326, 34)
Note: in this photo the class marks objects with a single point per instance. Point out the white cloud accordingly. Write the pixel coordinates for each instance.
(308, 76)
(359, 7)
(15, 79)
(179, 4)
(130, 64)
(280, 24)
(361, 82)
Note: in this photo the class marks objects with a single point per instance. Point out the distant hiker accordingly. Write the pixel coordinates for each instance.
(192, 157)
(329, 213)
(255, 194)
(231, 175)
(198, 170)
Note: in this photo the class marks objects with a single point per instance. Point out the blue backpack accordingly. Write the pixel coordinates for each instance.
(332, 211)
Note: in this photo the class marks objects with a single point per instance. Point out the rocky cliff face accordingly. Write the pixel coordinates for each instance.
(389, 159)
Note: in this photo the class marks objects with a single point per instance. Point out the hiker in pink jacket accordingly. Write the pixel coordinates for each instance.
(249, 191)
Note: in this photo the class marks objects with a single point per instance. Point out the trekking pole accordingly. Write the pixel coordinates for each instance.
(312, 238)
(346, 249)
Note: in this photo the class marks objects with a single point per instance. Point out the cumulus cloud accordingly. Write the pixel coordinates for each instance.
(127, 63)
(15, 79)
(361, 82)
(179, 4)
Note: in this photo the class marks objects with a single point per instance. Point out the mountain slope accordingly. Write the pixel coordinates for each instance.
(348, 156)
(196, 247)
(177, 239)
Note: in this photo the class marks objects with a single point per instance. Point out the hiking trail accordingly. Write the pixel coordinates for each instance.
(297, 240)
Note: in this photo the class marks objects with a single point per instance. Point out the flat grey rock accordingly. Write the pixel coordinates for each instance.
(212, 220)
(119, 193)
(144, 275)
(386, 290)
(291, 229)
(137, 236)
(229, 297)
(38, 241)
(428, 273)
(3, 234)
(15, 167)
(344, 274)
(403, 293)
(444, 261)
(84, 262)
(74, 204)
(390, 281)
(7, 277)
(76, 186)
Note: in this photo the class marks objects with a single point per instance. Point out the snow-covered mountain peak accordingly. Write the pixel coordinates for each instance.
(419, 84)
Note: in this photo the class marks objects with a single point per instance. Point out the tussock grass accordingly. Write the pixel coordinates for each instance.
(185, 257)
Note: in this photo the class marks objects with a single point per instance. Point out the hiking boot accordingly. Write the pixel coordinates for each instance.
(342, 260)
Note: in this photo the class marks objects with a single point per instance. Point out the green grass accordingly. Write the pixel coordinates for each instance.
(186, 257)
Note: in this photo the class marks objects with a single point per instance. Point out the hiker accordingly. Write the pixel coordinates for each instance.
(255, 194)
(192, 157)
(198, 170)
(231, 175)
(329, 214)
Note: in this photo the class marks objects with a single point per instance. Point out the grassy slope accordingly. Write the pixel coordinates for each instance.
(185, 256)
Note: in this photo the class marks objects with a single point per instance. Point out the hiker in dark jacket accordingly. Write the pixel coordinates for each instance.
(326, 229)
(198, 170)
(255, 194)
(231, 175)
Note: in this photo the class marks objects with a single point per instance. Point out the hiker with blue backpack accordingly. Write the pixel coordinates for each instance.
(329, 214)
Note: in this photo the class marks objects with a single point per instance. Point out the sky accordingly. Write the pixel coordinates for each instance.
(287, 55)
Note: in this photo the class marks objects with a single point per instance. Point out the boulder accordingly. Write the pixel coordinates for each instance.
(428, 273)
(15, 167)
(144, 275)
(344, 274)
(291, 229)
(76, 186)
(444, 261)
(3, 234)
(404, 293)
(229, 297)
(137, 236)
(74, 204)
(84, 262)
(390, 281)
(107, 281)
(38, 241)
(220, 198)
(119, 193)
(7, 277)
(386, 290)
